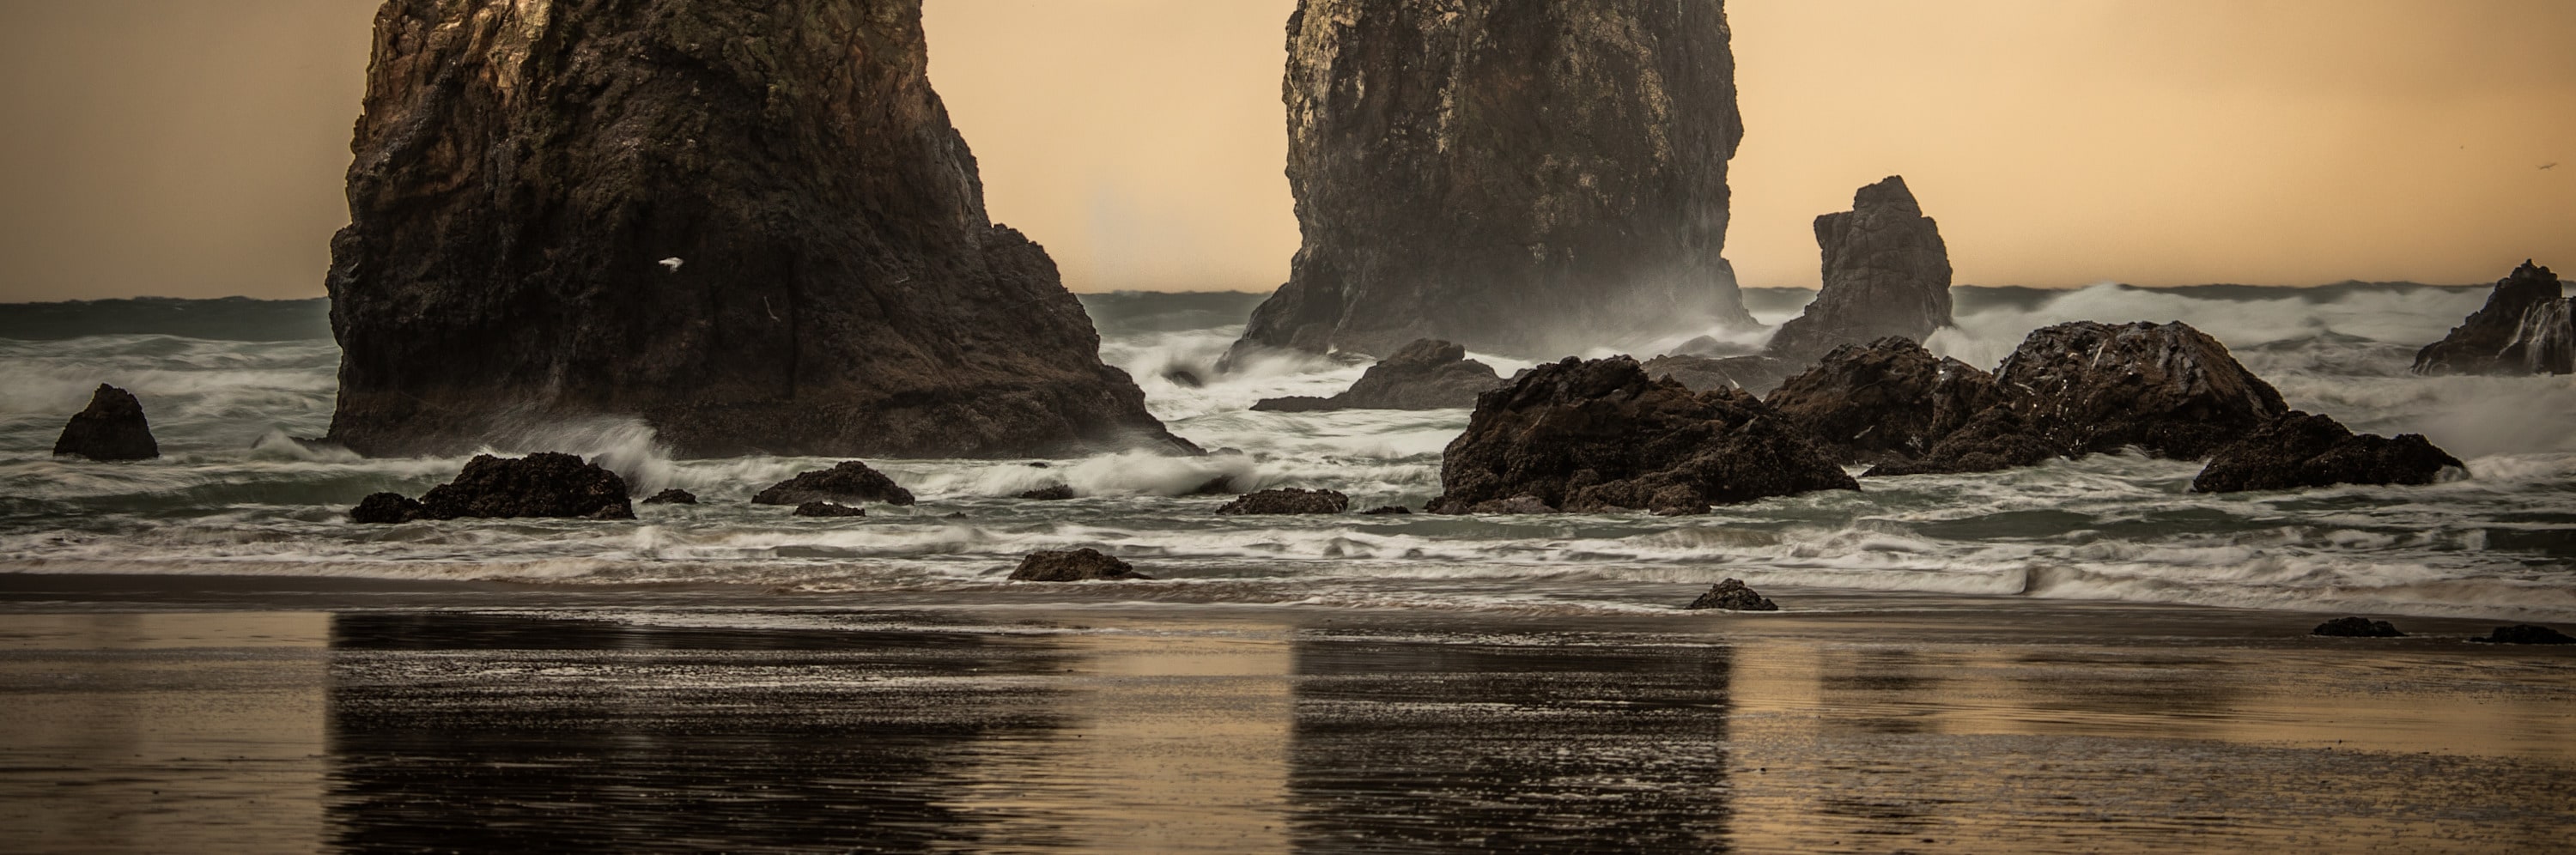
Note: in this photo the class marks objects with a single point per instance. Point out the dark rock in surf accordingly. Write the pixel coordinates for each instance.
(1886, 273)
(673, 496)
(1081, 565)
(544, 484)
(111, 428)
(1287, 500)
(1732, 595)
(1756, 375)
(747, 223)
(1890, 400)
(1388, 511)
(1598, 436)
(847, 481)
(1514, 506)
(827, 510)
(1425, 375)
(388, 509)
(2303, 450)
(1997, 439)
(2355, 627)
(1056, 493)
(2525, 634)
(2525, 328)
(1518, 177)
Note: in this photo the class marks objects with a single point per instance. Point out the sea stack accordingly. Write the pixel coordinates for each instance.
(1518, 177)
(748, 223)
(111, 428)
(2525, 328)
(1887, 273)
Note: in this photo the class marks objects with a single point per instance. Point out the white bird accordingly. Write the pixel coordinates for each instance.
(673, 263)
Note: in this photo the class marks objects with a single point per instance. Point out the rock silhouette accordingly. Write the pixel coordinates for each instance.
(1886, 273)
(1425, 375)
(1732, 595)
(1889, 400)
(2306, 450)
(111, 428)
(544, 484)
(1080, 565)
(2525, 328)
(749, 224)
(673, 496)
(826, 510)
(846, 481)
(1287, 500)
(2354, 627)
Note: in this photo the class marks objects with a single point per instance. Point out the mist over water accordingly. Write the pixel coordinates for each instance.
(233, 494)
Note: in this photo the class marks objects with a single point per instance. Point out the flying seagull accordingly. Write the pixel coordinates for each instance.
(2549, 167)
(674, 262)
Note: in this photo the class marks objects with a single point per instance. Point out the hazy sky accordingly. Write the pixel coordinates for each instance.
(194, 148)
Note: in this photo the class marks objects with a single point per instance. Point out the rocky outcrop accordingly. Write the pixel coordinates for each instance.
(111, 428)
(1287, 500)
(1052, 493)
(827, 510)
(1890, 400)
(2083, 387)
(1425, 375)
(1732, 595)
(673, 496)
(2524, 328)
(1756, 375)
(2305, 450)
(747, 222)
(1887, 273)
(544, 484)
(1519, 177)
(2355, 627)
(1081, 565)
(846, 481)
(2525, 634)
(1602, 436)
(1388, 511)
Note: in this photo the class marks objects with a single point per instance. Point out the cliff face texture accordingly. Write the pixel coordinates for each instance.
(2525, 328)
(1887, 273)
(1517, 176)
(748, 222)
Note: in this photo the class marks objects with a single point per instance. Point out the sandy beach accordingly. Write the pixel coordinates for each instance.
(392, 717)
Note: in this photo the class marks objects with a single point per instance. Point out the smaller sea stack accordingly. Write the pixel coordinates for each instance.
(1887, 273)
(111, 428)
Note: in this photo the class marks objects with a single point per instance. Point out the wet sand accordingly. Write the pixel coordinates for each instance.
(232, 715)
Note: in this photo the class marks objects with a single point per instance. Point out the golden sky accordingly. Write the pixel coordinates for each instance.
(196, 148)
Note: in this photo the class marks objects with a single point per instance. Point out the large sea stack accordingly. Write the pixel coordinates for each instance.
(1517, 176)
(747, 222)
(1886, 273)
(2525, 328)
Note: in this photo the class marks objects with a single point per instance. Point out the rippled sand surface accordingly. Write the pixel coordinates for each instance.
(449, 722)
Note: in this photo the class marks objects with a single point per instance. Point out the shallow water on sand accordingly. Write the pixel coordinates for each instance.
(1268, 730)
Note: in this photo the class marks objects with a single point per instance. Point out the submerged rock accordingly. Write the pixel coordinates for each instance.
(2354, 627)
(748, 224)
(847, 481)
(1600, 436)
(1081, 565)
(388, 509)
(111, 428)
(1056, 493)
(673, 496)
(1518, 177)
(1288, 500)
(827, 510)
(1890, 400)
(2304, 450)
(1886, 273)
(2525, 328)
(1425, 375)
(2525, 634)
(1388, 511)
(1756, 375)
(1732, 595)
(544, 484)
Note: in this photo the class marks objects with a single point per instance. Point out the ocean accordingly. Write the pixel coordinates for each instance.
(226, 383)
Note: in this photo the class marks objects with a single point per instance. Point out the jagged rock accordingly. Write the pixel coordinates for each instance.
(826, 509)
(1518, 177)
(748, 223)
(1388, 511)
(1887, 273)
(387, 509)
(1996, 439)
(1288, 500)
(1890, 400)
(1081, 565)
(1756, 375)
(2354, 627)
(1425, 375)
(1598, 436)
(1056, 493)
(847, 481)
(673, 496)
(544, 484)
(2304, 450)
(1732, 595)
(111, 428)
(2525, 634)
(2524, 328)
